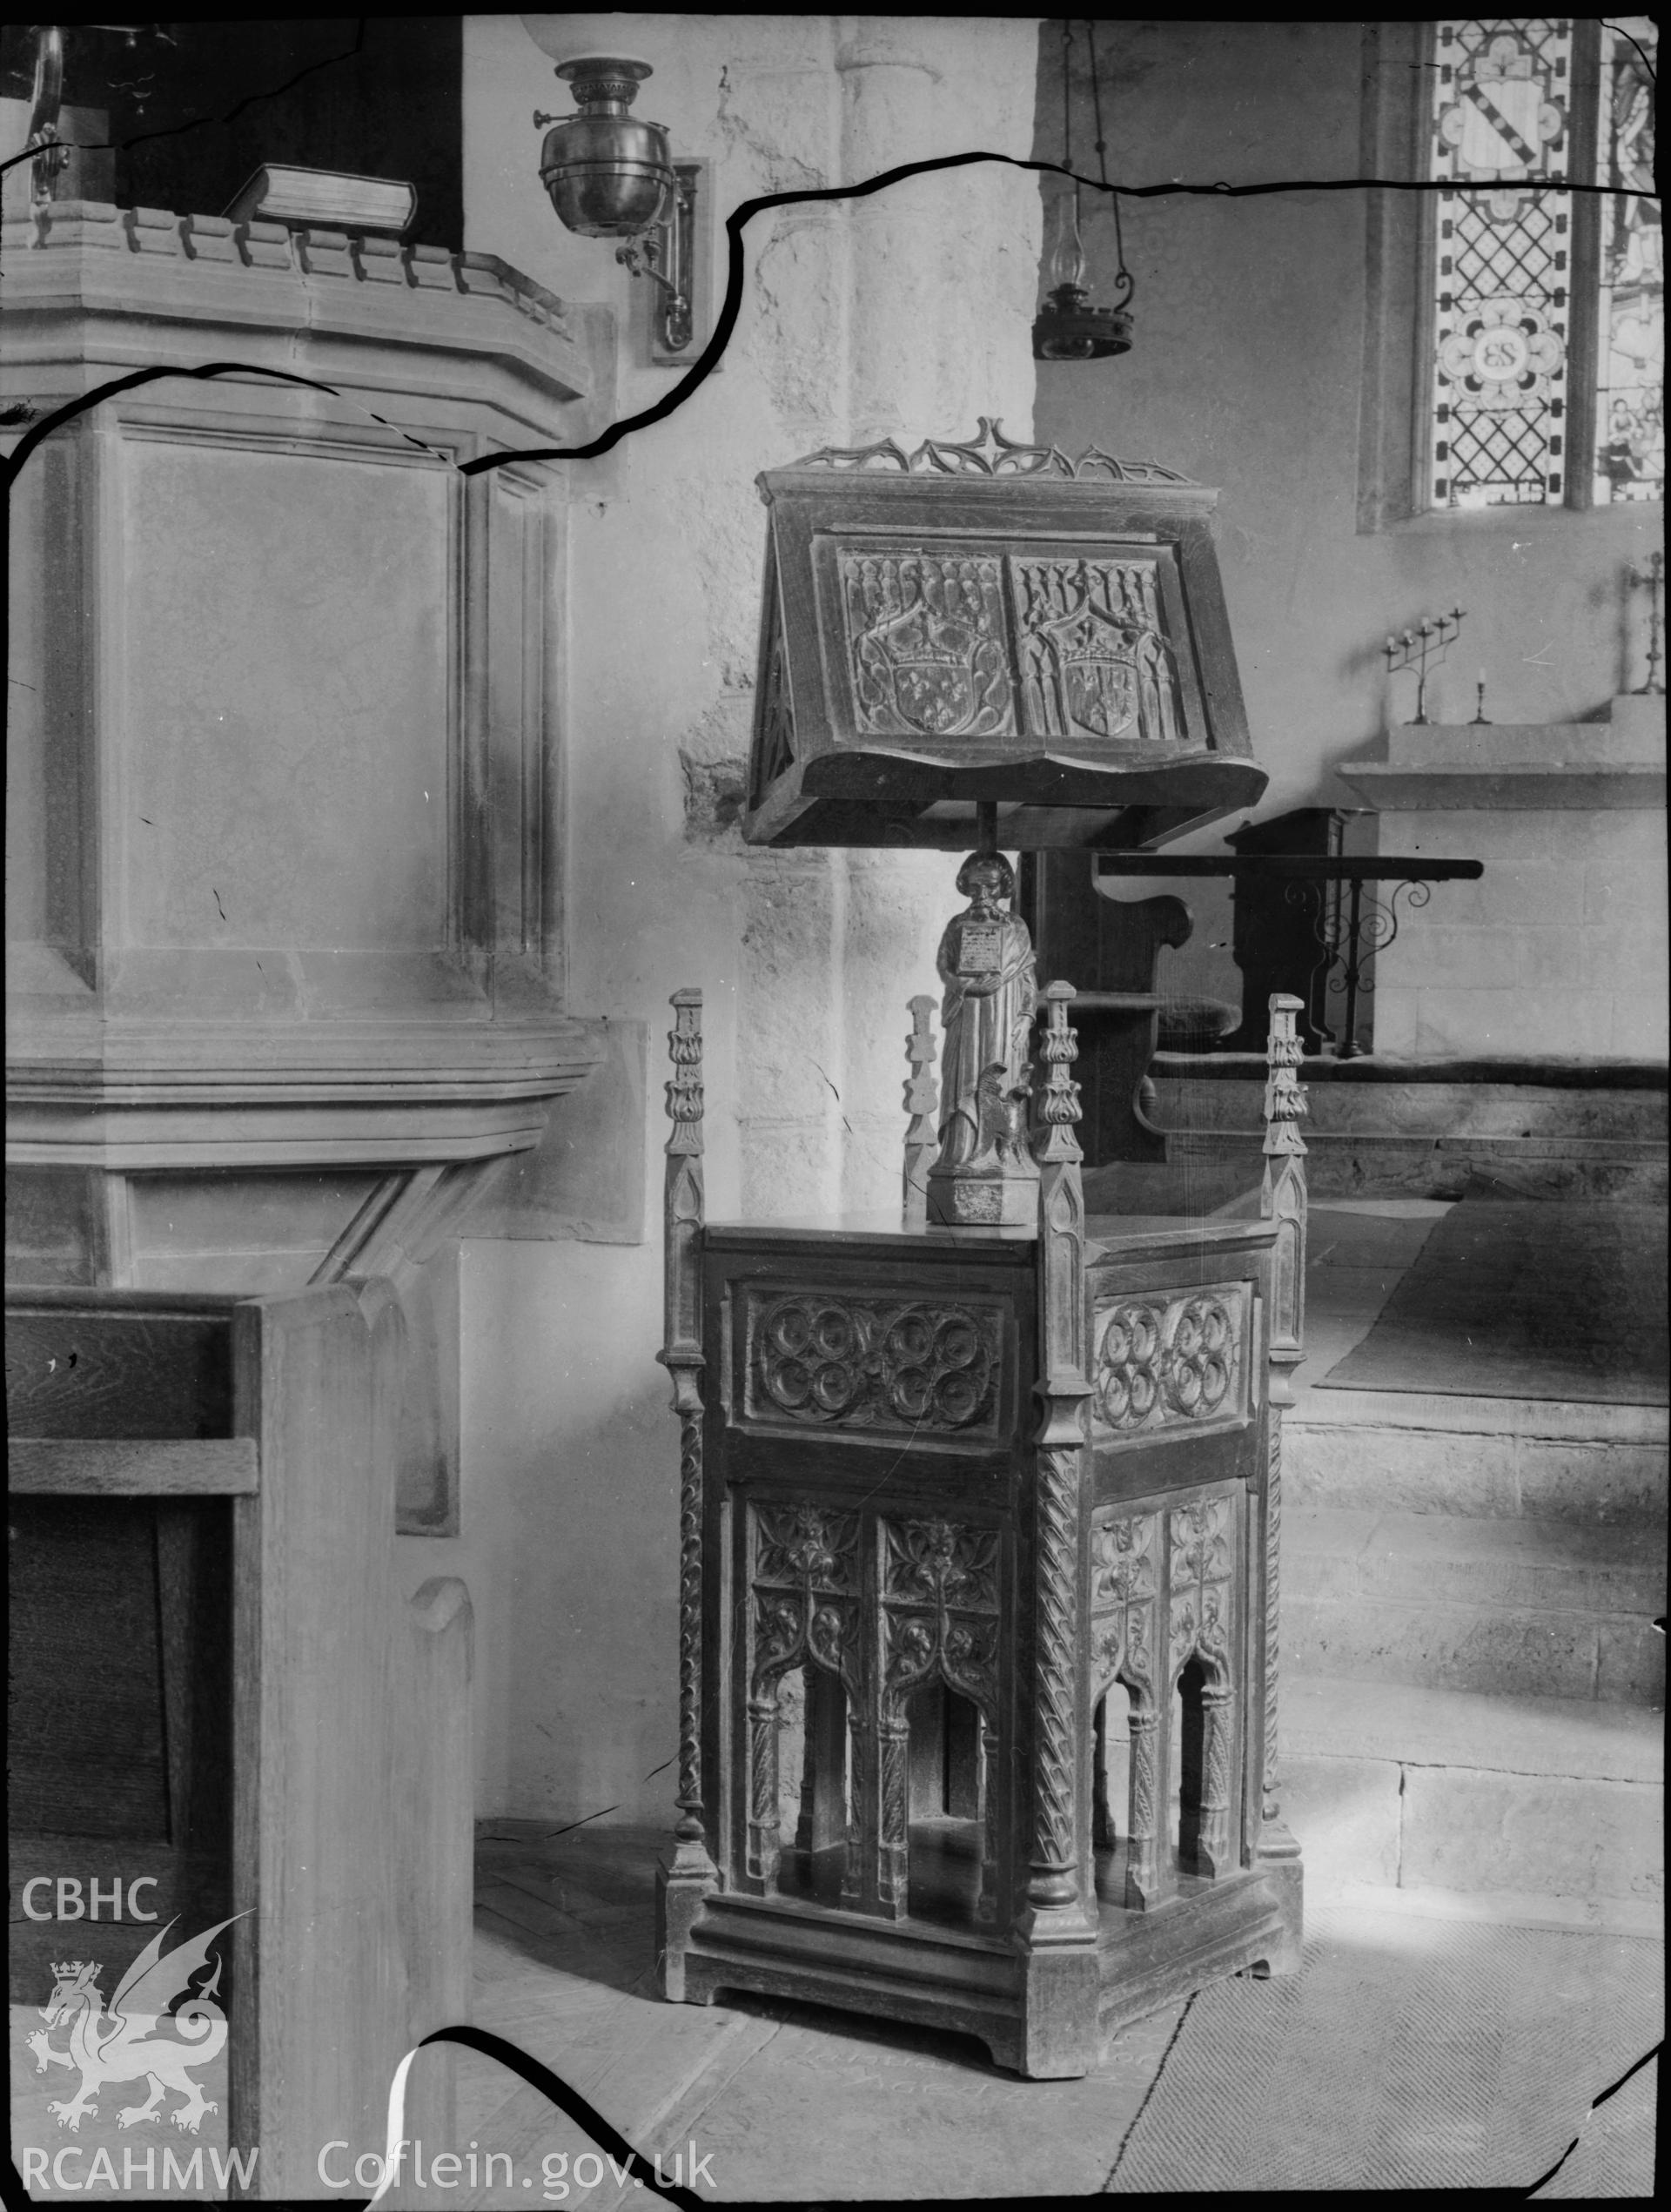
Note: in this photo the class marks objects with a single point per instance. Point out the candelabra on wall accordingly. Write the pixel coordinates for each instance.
(1423, 650)
(1652, 579)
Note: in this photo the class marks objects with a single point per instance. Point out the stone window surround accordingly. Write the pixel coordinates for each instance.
(1397, 337)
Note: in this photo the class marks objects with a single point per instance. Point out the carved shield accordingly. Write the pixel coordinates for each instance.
(929, 660)
(1103, 695)
(1094, 659)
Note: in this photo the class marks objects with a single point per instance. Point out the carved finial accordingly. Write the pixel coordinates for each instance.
(685, 1092)
(989, 452)
(1283, 1197)
(1285, 1095)
(1058, 1108)
(922, 1099)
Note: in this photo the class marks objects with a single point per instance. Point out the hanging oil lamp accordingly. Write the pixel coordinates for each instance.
(1068, 328)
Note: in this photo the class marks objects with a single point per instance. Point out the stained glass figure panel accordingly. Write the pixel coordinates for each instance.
(1630, 336)
(1500, 119)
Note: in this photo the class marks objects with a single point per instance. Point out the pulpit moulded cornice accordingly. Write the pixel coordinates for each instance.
(285, 957)
(93, 289)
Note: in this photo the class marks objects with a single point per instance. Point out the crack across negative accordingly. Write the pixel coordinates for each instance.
(725, 324)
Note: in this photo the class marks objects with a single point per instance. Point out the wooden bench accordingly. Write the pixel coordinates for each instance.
(218, 1687)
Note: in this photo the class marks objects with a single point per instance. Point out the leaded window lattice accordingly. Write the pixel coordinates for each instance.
(1500, 119)
(1630, 338)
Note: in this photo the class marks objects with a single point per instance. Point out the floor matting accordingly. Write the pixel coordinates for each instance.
(1408, 2054)
(1517, 1299)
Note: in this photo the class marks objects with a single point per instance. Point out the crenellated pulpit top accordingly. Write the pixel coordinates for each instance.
(990, 623)
(93, 289)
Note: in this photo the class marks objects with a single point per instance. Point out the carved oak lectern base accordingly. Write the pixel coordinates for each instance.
(978, 1592)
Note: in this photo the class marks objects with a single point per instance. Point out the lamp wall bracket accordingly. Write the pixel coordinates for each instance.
(672, 255)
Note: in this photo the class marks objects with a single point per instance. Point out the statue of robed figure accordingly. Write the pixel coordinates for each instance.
(985, 1173)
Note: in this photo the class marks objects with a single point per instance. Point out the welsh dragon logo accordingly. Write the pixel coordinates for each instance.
(121, 2044)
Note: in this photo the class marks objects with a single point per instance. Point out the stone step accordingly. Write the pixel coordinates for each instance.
(1532, 1608)
(1360, 1164)
(1499, 1458)
(1530, 1803)
(1386, 1126)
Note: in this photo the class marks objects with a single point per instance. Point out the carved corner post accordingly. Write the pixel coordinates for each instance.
(922, 1096)
(682, 1886)
(1056, 1930)
(1283, 1201)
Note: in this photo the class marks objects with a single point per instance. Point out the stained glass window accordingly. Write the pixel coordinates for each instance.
(1630, 337)
(1501, 277)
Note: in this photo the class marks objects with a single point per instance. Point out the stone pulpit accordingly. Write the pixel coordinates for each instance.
(980, 1501)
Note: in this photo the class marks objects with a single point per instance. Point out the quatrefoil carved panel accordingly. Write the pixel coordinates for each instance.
(1163, 1361)
(898, 1368)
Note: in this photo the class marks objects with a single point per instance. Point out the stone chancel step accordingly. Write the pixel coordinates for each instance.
(1508, 1605)
(1534, 1128)
(1472, 1600)
(1542, 1805)
(1412, 1452)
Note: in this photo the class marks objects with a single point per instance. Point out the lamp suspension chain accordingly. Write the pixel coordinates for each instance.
(1123, 279)
(1067, 116)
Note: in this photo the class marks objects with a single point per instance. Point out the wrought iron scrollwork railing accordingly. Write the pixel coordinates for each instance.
(1350, 922)
(1351, 925)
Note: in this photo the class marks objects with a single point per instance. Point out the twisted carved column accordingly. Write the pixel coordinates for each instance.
(1142, 1883)
(1282, 1199)
(1053, 1886)
(1270, 1807)
(1213, 1850)
(762, 1784)
(681, 1355)
(893, 1813)
(986, 1908)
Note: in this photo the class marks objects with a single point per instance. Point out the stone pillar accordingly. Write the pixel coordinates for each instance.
(807, 960)
(942, 277)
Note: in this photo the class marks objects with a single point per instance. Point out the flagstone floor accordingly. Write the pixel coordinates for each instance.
(782, 2100)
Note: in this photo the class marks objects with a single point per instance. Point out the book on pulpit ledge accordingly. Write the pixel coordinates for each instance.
(282, 193)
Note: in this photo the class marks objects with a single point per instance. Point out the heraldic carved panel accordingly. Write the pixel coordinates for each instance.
(1095, 658)
(1161, 1361)
(885, 1367)
(925, 632)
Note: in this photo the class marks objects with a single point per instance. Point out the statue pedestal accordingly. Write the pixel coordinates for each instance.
(1005, 1198)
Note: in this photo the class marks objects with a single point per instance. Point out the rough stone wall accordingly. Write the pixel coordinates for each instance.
(906, 315)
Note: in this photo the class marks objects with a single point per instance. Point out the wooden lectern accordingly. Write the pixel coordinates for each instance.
(979, 1503)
